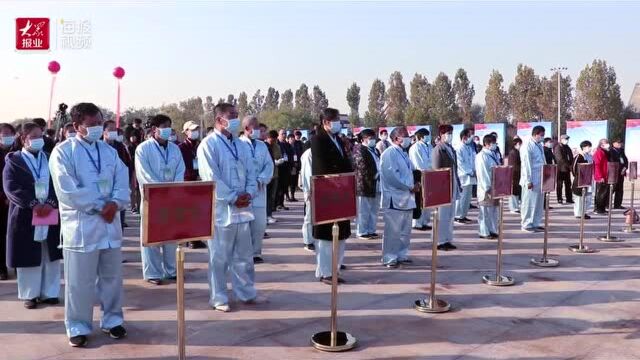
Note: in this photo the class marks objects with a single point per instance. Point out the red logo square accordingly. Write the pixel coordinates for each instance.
(32, 34)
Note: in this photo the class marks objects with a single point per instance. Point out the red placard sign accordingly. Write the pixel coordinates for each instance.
(585, 175)
(613, 172)
(178, 212)
(436, 188)
(549, 177)
(502, 181)
(632, 173)
(333, 198)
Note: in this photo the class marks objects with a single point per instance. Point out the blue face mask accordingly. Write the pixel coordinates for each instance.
(8, 140)
(164, 133)
(426, 139)
(36, 145)
(469, 141)
(94, 133)
(336, 126)
(493, 147)
(406, 142)
(234, 126)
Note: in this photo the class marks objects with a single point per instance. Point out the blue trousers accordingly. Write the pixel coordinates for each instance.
(158, 262)
(87, 275)
(445, 225)
(514, 203)
(397, 235)
(464, 202)
(307, 229)
(577, 205)
(488, 220)
(367, 214)
(258, 227)
(324, 257)
(532, 208)
(231, 251)
(40, 281)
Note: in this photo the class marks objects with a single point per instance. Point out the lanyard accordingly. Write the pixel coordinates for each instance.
(98, 164)
(234, 154)
(165, 155)
(253, 147)
(32, 166)
(406, 161)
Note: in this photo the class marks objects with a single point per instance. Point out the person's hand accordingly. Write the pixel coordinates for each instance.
(416, 188)
(109, 211)
(243, 200)
(530, 186)
(45, 210)
(39, 210)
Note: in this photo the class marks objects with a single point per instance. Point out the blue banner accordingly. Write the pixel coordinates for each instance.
(593, 131)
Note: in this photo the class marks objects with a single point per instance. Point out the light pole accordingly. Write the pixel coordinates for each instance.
(558, 71)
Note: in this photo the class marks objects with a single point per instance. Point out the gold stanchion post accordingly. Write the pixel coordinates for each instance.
(433, 304)
(608, 237)
(180, 303)
(334, 340)
(580, 247)
(544, 261)
(629, 228)
(498, 279)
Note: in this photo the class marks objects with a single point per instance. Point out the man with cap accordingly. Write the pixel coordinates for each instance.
(564, 159)
(188, 149)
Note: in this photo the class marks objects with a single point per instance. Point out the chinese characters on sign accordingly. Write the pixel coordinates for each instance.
(32, 34)
(74, 34)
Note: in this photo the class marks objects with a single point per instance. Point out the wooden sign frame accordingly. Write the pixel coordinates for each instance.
(549, 178)
(501, 172)
(339, 194)
(585, 175)
(632, 173)
(430, 177)
(613, 172)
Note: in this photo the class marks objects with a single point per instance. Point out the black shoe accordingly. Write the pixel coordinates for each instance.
(620, 207)
(427, 228)
(172, 278)
(373, 236)
(406, 261)
(51, 301)
(443, 247)
(392, 265)
(494, 234)
(197, 245)
(31, 304)
(586, 217)
(4, 274)
(560, 201)
(472, 206)
(569, 202)
(489, 237)
(328, 280)
(293, 200)
(78, 341)
(285, 208)
(125, 225)
(343, 267)
(310, 247)
(154, 281)
(450, 246)
(117, 332)
(266, 236)
(257, 260)
(600, 212)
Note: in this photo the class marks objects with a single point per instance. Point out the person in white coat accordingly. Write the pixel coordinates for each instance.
(263, 165)
(226, 160)
(466, 154)
(305, 176)
(158, 160)
(420, 156)
(532, 160)
(398, 199)
(486, 160)
(92, 185)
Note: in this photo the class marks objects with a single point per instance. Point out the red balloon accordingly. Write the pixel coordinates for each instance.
(54, 67)
(118, 72)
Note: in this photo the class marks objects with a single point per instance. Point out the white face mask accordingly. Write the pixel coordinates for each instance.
(447, 138)
(606, 146)
(93, 133)
(336, 126)
(173, 138)
(564, 141)
(493, 147)
(112, 135)
(255, 134)
(194, 134)
(586, 150)
(70, 135)
(384, 137)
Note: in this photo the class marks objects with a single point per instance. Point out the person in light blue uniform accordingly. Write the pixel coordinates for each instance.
(226, 160)
(263, 164)
(158, 160)
(366, 161)
(532, 159)
(398, 199)
(466, 154)
(444, 156)
(92, 185)
(486, 160)
(420, 155)
(305, 176)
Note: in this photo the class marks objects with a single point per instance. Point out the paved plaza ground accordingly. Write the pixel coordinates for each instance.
(588, 308)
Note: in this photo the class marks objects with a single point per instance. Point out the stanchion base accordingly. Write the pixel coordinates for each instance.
(499, 280)
(609, 239)
(322, 341)
(425, 306)
(545, 262)
(581, 250)
(630, 230)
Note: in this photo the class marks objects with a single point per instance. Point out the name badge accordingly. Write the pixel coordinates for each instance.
(195, 164)
(41, 191)
(295, 157)
(167, 174)
(104, 187)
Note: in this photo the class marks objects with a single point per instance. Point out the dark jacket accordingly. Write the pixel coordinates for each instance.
(366, 171)
(579, 159)
(564, 157)
(327, 159)
(188, 148)
(442, 159)
(548, 156)
(514, 160)
(297, 150)
(285, 148)
(19, 187)
(618, 156)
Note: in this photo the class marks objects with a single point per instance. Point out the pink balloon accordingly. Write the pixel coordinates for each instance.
(118, 72)
(54, 67)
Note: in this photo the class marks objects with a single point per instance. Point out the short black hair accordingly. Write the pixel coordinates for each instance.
(537, 130)
(160, 119)
(384, 131)
(27, 128)
(298, 133)
(517, 141)
(263, 125)
(547, 139)
(291, 136)
(466, 132)
(273, 134)
(421, 133)
(8, 126)
(488, 139)
(137, 121)
(40, 122)
(107, 123)
(80, 110)
(222, 109)
(366, 133)
(445, 128)
(585, 144)
(330, 114)
(494, 134)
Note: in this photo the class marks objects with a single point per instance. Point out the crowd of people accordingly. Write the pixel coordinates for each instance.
(88, 175)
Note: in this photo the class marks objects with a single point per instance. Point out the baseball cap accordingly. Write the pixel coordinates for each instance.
(190, 125)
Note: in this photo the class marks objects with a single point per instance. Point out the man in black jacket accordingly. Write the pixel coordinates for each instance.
(564, 158)
(329, 157)
(618, 155)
